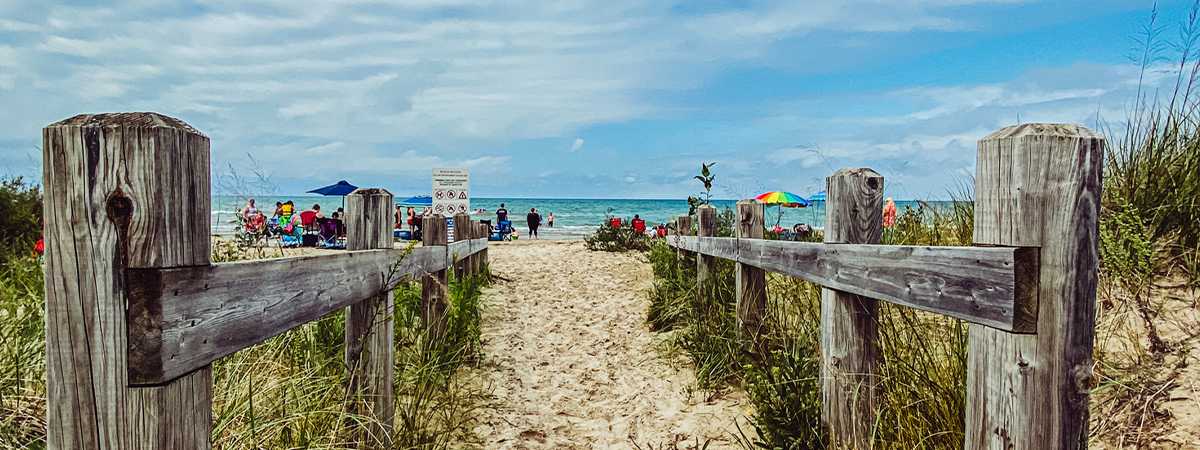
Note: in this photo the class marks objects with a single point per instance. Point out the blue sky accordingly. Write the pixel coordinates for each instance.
(578, 99)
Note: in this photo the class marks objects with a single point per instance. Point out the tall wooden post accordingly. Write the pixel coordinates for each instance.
(369, 333)
(1038, 185)
(850, 323)
(433, 286)
(751, 282)
(462, 232)
(122, 191)
(706, 226)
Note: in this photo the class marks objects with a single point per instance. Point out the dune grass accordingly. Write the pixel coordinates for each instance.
(922, 370)
(289, 391)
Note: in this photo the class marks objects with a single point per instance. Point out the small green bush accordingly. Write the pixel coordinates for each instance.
(617, 239)
(20, 218)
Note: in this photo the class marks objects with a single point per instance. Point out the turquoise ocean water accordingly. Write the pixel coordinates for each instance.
(573, 218)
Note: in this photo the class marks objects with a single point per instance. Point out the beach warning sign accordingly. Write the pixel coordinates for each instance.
(451, 191)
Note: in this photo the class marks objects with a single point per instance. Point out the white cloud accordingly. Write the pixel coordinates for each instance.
(318, 89)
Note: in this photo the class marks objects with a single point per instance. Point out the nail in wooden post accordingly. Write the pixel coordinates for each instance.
(706, 226)
(433, 286)
(751, 282)
(850, 323)
(369, 333)
(1038, 185)
(462, 232)
(121, 191)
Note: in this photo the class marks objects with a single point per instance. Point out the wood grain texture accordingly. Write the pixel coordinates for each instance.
(369, 327)
(849, 322)
(208, 312)
(994, 286)
(462, 232)
(1038, 185)
(434, 301)
(750, 281)
(706, 226)
(683, 227)
(154, 169)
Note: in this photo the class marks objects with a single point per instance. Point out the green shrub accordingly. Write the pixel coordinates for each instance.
(617, 239)
(20, 218)
(1126, 252)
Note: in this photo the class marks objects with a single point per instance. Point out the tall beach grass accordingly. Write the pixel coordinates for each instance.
(923, 356)
(289, 391)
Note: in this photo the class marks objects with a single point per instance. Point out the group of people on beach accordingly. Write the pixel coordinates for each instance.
(286, 221)
(533, 220)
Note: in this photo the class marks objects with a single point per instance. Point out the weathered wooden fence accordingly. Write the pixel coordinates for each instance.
(1028, 289)
(136, 313)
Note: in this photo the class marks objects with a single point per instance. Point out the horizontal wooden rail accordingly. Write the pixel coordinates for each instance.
(181, 319)
(993, 286)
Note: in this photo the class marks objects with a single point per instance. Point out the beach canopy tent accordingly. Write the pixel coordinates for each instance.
(818, 197)
(341, 188)
(418, 201)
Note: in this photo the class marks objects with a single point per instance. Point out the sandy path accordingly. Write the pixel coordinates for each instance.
(571, 359)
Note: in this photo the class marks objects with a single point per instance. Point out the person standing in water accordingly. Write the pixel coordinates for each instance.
(411, 214)
(550, 221)
(534, 220)
(501, 214)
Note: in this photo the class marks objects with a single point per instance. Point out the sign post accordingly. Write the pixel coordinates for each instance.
(451, 193)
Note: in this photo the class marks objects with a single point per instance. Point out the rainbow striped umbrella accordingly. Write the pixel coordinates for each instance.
(782, 198)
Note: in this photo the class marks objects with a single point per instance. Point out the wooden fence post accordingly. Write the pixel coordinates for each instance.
(121, 191)
(369, 332)
(751, 282)
(850, 323)
(462, 232)
(433, 286)
(1038, 185)
(481, 231)
(706, 226)
(683, 227)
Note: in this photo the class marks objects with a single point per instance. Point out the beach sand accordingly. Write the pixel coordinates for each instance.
(572, 361)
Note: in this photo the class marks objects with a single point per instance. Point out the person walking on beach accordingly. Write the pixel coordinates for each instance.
(411, 214)
(550, 221)
(534, 220)
(501, 214)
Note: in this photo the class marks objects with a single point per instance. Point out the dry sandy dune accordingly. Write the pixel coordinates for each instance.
(572, 362)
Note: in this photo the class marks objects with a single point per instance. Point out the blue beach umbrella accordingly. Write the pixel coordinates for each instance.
(818, 197)
(342, 188)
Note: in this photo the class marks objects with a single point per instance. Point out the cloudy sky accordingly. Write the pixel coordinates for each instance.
(578, 99)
